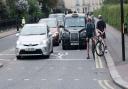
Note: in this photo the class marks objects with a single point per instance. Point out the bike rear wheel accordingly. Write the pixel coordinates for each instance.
(100, 48)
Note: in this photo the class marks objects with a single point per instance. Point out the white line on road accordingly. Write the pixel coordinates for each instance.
(102, 84)
(10, 79)
(107, 84)
(44, 79)
(60, 79)
(26, 79)
(76, 79)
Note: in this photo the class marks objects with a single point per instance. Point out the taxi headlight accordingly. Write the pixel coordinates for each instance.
(18, 43)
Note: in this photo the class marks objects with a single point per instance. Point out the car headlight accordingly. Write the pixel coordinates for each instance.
(18, 43)
(66, 33)
(83, 34)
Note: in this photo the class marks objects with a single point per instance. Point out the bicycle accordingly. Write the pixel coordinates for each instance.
(98, 47)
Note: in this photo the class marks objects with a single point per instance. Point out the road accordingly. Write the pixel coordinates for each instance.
(65, 69)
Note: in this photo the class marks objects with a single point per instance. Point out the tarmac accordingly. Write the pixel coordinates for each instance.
(5, 34)
(118, 68)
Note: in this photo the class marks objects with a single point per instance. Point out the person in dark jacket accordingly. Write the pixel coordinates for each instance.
(101, 28)
(90, 32)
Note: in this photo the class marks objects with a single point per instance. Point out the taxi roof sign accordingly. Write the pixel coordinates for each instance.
(75, 15)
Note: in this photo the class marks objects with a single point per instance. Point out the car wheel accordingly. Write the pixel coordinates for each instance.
(47, 56)
(18, 57)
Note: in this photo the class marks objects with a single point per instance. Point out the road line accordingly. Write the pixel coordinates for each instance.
(59, 79)
(101, 84)
(10, 79)
(100, 62)
(76, 79)
(107, 84)
(44, 79)
(97, 61)
(26, 79)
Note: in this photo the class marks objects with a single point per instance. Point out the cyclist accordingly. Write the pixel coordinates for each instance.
(90, 31)
(101, 27)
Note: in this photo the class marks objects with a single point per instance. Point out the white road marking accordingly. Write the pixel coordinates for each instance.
(26, 79)
(43, 79)
(10, 79)
(104, 84)
(76, 79)
(98, 61)
(107, 84)
(59, 79)
(101, 84)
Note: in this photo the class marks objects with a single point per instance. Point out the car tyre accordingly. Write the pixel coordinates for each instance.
(18, 57)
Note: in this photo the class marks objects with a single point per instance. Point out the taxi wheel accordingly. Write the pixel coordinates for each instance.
(18, 57)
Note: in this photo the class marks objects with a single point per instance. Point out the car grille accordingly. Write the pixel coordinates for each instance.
(74, 37)
(37, 51)
(30, 44)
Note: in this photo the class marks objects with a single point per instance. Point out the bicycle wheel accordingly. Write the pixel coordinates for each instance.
(100, 49)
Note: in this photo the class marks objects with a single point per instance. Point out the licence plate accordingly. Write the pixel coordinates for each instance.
(30, 49)
(74, 43)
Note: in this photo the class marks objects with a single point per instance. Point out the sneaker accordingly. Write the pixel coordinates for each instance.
(105, 47)
(88, 57)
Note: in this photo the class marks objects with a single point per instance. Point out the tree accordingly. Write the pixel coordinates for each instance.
(3, 10)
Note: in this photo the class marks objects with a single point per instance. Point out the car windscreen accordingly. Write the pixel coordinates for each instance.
(75, 22)
(50, 23)
(33, 30)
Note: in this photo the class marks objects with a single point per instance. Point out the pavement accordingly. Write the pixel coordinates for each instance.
(5, 34)
(118, 68)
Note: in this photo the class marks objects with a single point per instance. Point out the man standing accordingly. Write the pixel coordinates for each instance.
(90, 32)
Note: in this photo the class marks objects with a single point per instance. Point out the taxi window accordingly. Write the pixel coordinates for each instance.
(75, 22)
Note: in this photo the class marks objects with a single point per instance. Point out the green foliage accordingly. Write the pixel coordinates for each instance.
(3, 10)
(111, 14)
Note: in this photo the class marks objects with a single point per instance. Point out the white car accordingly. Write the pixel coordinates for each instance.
(34, 40)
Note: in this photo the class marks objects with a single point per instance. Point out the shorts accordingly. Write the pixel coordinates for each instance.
(89, 35)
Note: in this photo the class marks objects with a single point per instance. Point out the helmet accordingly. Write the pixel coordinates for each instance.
(100, 16)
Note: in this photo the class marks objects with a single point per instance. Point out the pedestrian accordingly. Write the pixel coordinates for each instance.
(90, 32)
(101, 28)
(23, 21)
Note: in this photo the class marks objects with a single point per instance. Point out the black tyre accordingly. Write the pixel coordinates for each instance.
(18, 57)
(100, 49)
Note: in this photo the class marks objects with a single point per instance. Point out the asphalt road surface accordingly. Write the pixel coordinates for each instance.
(65, 69)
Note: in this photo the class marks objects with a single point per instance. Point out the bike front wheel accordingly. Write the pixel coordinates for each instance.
(100, 48)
